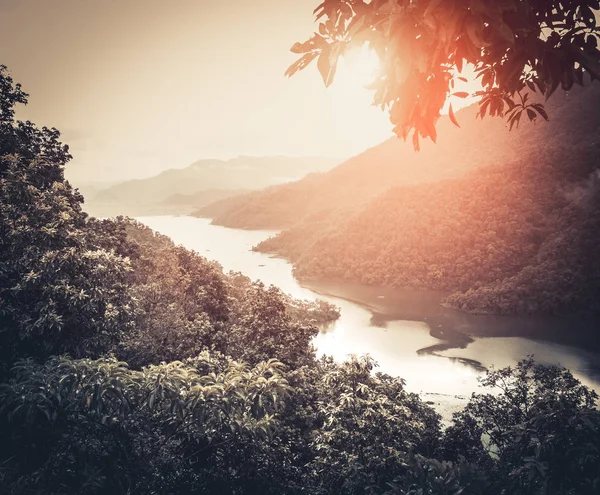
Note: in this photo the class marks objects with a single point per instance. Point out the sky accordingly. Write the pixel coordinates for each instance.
(139, 86)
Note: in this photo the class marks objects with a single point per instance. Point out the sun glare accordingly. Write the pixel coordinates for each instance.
(358, 68)
(360, 65)
(470, 86)
(356, 120)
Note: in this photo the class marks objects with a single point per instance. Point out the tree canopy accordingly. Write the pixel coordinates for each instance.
(516, 48)
(131, 365)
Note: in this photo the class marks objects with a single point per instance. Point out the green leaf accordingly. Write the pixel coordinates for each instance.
(355, 25)
(475, 32)
(553, 87)
(297, 48)
(541, 110)
(505, 32)
(415, 140)
(301, 63)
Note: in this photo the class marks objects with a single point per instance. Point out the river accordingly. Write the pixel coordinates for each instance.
(395, 327)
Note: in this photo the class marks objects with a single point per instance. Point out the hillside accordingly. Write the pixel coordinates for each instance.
(199, 181)
(511, 238)
(360, 179)
(201, 198)
(131, 365)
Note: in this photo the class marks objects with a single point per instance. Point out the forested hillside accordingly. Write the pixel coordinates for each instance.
(518, 238)
(351, 185)
(131, 365)
(512, 238)
(361, 178)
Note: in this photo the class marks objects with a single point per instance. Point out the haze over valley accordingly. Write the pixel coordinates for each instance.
(508, 225)
(181, 191)
(266, 247)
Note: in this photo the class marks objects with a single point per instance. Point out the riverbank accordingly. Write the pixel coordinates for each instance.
(435, 349)
(455, 329)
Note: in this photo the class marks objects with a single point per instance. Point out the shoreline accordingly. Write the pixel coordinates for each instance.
(458, 337)
(450, 328)
(453, 328)
(449, 339)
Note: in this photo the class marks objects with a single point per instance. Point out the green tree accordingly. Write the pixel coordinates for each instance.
(515, 48)
(73, 426)
(186, 304)
(62, 284)
(25, 138)
(369, 427)
(536, 431)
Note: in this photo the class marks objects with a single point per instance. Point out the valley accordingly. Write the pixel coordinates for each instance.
(507, 226)
(400, 329)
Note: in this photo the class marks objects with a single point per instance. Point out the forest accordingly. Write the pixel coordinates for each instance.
(516, 237)
(131, 365)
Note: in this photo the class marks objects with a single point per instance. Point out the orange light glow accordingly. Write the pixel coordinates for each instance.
(360, 65)
(471, 86)
(351, 101)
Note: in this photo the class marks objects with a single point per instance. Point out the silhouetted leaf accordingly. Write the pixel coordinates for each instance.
(452, 117)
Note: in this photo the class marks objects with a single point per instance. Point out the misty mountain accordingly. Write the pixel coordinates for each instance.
(201, 198)
(181, 190)
(352, 184)
(90, 189)
(520, 236)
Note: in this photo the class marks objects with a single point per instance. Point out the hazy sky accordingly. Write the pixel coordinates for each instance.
(137, 86)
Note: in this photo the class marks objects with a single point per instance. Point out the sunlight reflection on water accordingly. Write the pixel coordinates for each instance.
(393, 345)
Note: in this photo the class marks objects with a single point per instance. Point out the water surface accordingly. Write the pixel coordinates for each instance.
(396, 327)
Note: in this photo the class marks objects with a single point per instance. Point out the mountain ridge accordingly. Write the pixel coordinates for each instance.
(237, 174)
(361, 178)
(512, 238)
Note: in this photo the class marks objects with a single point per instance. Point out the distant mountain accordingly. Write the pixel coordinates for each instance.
(200, 182)
(90, 189)
(202, 198)
(521, 236)
(355, 182)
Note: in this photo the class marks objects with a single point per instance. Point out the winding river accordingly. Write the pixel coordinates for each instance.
(439, 352)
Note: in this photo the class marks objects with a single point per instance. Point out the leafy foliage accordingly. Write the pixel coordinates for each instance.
(62, 286)
(224, 393)
(536, 423)
(186, 304)
(369, 425)
(514, 47)
(24, 138)
(182, 412)
(211, 424)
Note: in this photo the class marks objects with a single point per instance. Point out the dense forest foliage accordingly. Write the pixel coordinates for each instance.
(131, 365)
(512, 238)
